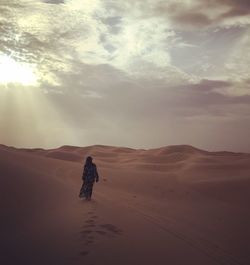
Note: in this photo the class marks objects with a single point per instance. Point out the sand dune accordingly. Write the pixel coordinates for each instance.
(170, 205)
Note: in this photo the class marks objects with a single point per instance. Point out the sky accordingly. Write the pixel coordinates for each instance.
(140, 74)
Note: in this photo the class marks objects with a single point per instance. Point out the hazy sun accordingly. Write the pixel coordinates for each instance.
(12, 71)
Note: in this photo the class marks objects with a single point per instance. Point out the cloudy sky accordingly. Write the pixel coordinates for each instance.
(141, 73)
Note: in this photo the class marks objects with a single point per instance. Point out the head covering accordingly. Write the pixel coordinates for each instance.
(88, 160)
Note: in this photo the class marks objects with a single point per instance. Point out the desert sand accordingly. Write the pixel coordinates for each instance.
(172, 205)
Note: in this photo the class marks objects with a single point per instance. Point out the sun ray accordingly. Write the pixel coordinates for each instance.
(27, 118)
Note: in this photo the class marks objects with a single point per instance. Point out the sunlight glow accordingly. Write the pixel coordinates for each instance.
(12, 71)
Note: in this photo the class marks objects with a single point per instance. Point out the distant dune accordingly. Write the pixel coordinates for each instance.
(171, 205)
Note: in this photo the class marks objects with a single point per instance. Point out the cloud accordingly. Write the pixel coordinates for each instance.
(117, 95)
(194, 18)
(236, 5)
(136, 73)
(128, 107)
(137, 40)
(53, 1)
(92, 34)
(200, 13)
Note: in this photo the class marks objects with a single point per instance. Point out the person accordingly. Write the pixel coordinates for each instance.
(89, 176)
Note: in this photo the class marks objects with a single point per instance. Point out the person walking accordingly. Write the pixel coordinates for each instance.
(89, 177)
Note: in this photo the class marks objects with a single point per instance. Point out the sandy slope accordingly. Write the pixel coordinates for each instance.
(171, 205)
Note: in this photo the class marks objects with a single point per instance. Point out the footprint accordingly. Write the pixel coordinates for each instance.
(101, 232)
(88, 225)
(88, 242)
(86, 232)
(111, 228)
(90, 221)
(94, 216)
(84, 253)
